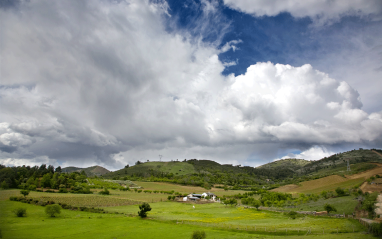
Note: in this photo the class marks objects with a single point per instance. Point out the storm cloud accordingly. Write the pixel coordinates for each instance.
(108, 83)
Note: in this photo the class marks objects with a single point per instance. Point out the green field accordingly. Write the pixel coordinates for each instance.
(186, 189)
(167, 219)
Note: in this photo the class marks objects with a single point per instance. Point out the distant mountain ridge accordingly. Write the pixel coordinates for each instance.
(90, 171)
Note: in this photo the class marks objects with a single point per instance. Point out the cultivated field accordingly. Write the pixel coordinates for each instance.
(329, 183)
(185, 189)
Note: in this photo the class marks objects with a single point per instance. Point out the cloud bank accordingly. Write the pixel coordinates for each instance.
(107, 83)
(321, 12)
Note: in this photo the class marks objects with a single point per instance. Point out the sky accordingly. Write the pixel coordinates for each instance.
(111, 82)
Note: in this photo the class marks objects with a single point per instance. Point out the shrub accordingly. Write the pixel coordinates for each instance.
(376, 229)
(340, 192)
(329, 208)
(20, 212)
(62, 190)
(53, 210)
(32, 187)
(292, 214)
(198, 235)
(144, 208)
(105, 192)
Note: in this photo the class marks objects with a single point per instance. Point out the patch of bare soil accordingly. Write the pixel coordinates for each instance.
(370, 188)
(367, 174)
(286, 188)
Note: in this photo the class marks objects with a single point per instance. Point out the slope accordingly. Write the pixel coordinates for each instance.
(90, 171)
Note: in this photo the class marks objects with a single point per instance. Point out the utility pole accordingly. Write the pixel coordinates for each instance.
(348, 165)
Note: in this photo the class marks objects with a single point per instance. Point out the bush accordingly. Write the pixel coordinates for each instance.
(198, 235)
(32, 187)
(329, 208)
(144, 208)
(53, 210)
(340, 192)
(62, 190)
(105, 192)
(20, 212)
(292, 214)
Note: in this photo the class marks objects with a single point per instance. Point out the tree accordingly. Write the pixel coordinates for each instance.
(198, 235)
(144, 208)
(329, 208)
(231, 201)
(24, 192)
(4, 185)
(53, 210)
(256, 204)
(58, 169)
(45, 181)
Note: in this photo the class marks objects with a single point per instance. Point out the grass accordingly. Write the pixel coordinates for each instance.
(186, 189)
(75, 224)
(218, 215)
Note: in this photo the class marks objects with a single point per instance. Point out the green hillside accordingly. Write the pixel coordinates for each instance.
(90, 171)
(293, 164)
(156, 168)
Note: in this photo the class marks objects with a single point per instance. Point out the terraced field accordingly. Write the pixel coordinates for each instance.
(316, 186)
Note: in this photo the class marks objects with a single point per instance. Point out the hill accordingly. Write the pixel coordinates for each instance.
(90, 171)
(291, 163)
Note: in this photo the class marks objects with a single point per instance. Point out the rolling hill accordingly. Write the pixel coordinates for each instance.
(90, 171)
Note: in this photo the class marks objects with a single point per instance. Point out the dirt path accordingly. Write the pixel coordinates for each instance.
(368, 173)
(380, 155)
(378, 210)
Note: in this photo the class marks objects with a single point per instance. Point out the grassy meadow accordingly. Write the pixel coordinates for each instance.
(167, 219)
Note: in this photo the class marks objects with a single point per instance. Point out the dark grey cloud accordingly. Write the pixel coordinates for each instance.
(107, 83)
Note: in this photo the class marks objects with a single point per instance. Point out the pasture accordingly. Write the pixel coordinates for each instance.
(167, 219)
(186, 189)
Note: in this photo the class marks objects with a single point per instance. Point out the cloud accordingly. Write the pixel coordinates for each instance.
(109, 84)
(314, 153)
(321, 12)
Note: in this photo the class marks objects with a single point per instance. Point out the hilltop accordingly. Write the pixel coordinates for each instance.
(90, 171)
(291, 163)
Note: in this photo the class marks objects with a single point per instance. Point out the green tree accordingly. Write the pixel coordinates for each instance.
(45, 181)
(256, 204)
(4, 185)
(230, 201)
(198, 235)
(24, 192)
(144, 208)
(53, 210)
(329, 208)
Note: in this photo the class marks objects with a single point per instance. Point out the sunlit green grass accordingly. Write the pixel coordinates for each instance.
(218, 215)
(216, 219)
